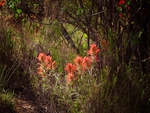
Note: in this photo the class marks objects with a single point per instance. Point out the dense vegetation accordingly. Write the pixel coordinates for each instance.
(76, 56)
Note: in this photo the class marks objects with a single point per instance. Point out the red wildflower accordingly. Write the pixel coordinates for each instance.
(41, 57)
(54, 65)
(70, 77)
(2, 3)
(87, 62)
(78, 61)
(46, 63)
(51, 65)
(48, 59)
(93, 50)
(121, 2)
(70, 68)
(40, 70)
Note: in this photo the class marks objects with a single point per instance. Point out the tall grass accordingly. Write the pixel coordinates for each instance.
(6, 73)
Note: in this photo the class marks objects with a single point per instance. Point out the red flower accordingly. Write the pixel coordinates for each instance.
(93, 50)
(81, 64)
(2, 3)
(41, 57)
(54, 65)
(48, 60)
(46, 63)
(70, 77)
(40, 71)
(70, 68)
(121, 2)
(78, 61)
(87, 62)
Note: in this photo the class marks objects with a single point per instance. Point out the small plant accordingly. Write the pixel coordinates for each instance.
(80, 74)
(13, 5)
(7, 96)
(7, 102)
(6, 73)
(46, 64)
(123, 7)
(82, 64)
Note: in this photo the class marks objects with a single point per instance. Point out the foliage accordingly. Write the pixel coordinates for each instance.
(7, 102)
(117, 80)
(6, 73)
(13, 5)
(79, 75)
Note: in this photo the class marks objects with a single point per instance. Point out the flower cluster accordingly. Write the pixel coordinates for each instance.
(2, 3)
(93, 52)
(122, 5)
(46, 64)
(81, 64)
(121, 2)
(70, 68)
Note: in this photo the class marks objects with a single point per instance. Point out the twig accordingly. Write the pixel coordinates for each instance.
(74, 21)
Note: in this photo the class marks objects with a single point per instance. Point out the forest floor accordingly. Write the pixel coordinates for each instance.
(23, 102)
(26, 104)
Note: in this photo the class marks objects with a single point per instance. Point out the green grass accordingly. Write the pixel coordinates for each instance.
(7, 102)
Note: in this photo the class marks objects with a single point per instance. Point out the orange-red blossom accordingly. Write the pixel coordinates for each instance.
(45, 64)
(87, 62)
(121, 2)
(81, 64)
(2, 3)
(70, 69)
(93, 52)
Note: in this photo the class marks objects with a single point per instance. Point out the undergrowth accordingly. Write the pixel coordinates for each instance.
(93, 81)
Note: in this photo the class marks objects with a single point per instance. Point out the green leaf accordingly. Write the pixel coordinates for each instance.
(80, 11)
(12, 5)
(84, 45)
(19, 11)
(55, 21)
(85, 35)
(16, 15)
(129, 2)
(24, 20)
(110, 37)
(35, 5)
(35, 53)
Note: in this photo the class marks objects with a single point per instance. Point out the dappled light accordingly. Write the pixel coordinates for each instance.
(74, 56)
